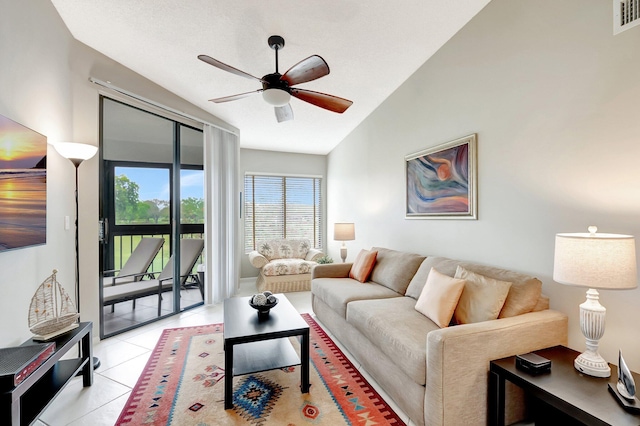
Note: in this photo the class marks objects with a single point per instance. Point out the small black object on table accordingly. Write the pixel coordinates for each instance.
(253, 344)
(263, 310)
(563, 394)
(24, 403)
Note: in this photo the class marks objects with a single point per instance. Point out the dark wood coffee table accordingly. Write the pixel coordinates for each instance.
(563, 393)
(252, 345)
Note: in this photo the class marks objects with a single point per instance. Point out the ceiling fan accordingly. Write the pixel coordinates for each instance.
(277, 88)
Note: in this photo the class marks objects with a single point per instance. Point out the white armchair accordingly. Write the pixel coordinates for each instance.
(285, 265)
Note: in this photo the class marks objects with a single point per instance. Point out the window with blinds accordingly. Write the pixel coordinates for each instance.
(282, 207)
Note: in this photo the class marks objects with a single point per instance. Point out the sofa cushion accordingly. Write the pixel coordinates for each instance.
(287, 267)
(543, 303)
(362, 266)
(284, 248)
(523, 295)
(439, 297)
(380, 322)
(482, 298)
(394, 269)
(337, 292)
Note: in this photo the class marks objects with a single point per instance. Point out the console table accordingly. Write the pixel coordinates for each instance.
(564, 394)
(23, 404)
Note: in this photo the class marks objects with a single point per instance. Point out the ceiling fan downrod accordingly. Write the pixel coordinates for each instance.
(276, 43)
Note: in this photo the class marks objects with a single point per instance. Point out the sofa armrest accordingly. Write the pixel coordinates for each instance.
(331, 270)
(257, 259)
(314, 255)
(458, 360)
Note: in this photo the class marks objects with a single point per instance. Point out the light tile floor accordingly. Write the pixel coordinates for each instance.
(123, 358)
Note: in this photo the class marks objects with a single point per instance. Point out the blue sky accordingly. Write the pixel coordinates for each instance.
(154, 183)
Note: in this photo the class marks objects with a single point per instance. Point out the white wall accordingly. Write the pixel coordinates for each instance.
(281, 163)
(554, 98)
(44, 85)
(35, 90)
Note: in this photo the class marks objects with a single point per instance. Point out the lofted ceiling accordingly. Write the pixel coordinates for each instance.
(371, 48)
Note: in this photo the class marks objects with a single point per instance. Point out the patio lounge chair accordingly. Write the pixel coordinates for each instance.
(137, 264)
(190, 250)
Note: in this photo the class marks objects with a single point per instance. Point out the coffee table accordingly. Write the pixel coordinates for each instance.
(252, 344)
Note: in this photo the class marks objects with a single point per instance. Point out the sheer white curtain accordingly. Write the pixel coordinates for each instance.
(222, 223)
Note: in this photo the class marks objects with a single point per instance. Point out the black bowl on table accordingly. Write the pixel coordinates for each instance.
(263, 310)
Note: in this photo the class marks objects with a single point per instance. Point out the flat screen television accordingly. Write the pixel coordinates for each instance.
(23, 186)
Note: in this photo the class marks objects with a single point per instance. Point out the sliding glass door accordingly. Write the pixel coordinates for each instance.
(152, 201)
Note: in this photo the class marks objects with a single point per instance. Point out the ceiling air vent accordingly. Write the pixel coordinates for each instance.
(626, 14)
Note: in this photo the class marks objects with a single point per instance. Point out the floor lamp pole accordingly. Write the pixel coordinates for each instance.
(76, 162)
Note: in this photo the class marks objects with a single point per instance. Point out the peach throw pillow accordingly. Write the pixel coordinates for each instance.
(482, 298)
(439, 297)
(363, 265)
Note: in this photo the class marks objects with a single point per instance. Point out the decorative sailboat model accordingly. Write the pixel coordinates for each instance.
(52, 311)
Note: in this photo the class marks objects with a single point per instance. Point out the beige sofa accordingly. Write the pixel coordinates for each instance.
(285, 264)
(437, 376)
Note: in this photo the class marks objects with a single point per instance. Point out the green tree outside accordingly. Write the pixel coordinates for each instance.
(131, 210)
(126, 199)
(192, 210)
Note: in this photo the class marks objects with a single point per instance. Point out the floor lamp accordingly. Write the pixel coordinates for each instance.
(77, 153)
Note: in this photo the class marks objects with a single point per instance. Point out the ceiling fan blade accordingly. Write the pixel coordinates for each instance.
(307, 69)
(323, 100)
(234, 97)
(216, 63)
(284, 113)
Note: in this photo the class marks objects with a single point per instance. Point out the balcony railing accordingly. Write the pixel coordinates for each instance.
(123, 246)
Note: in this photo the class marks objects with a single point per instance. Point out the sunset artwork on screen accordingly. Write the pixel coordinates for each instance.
(23, 186)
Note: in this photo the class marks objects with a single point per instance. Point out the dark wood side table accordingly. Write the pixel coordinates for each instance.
(564, 392)
(23, 404)
(252, 344)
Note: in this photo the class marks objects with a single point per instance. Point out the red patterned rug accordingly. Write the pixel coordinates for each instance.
(183, 384)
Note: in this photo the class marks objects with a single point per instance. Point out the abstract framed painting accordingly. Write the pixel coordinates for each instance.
(23, 186)
(441, 182)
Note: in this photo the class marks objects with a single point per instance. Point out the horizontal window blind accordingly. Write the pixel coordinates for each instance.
(282, 207)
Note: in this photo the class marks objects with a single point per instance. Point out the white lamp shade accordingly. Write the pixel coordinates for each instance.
(276, 97)
(75, 151)
(605, 261)
(344, 232)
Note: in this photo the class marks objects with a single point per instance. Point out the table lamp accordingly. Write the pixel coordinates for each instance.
(344, 232)
(595, 261)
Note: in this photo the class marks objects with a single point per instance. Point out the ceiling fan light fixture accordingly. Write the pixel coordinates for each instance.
(276, 97)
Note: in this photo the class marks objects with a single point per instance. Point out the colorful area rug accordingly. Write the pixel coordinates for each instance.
(183, 384)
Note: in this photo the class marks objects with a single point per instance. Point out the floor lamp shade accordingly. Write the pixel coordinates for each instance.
(344, 232)
(76, 152)
(595, 261)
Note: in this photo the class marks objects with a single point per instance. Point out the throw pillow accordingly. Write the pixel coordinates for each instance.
(363, 265)
(439, 297)
(482, 298)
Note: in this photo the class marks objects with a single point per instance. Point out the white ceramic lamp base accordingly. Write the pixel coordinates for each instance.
(592, 364)
(343, 253)
(592, 315)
